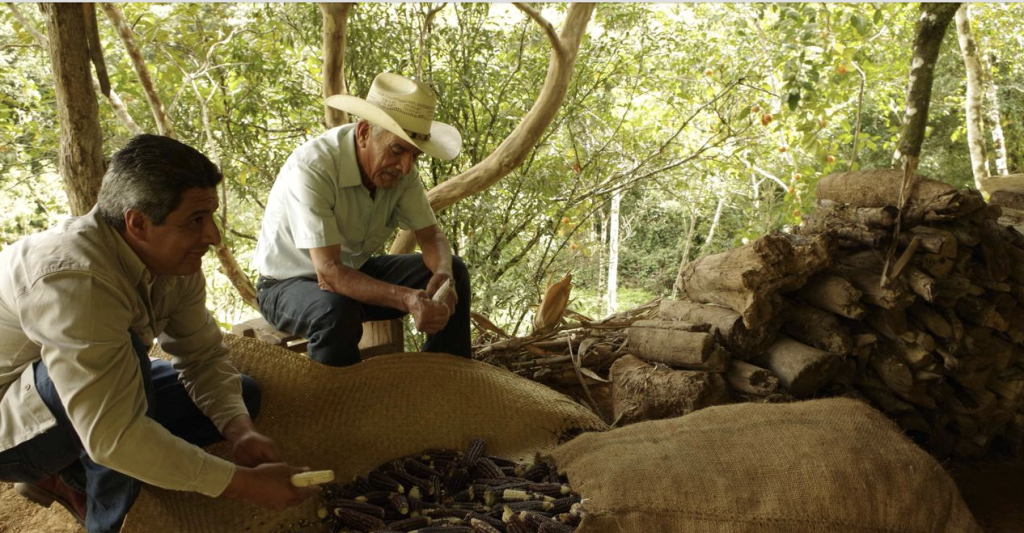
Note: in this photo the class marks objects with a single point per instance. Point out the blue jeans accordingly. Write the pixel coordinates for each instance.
(333, 324)
(110, 494)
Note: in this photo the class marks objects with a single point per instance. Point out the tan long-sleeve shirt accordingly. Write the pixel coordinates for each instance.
(69, 296)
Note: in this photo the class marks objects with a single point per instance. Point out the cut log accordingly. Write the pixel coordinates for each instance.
(952, 286)
(931, 320)
(891, 368)
(677, 344)
(748, 279)
(937, 265)
(891, 323)
(817, 328)
(983, 342)
(750, 379)
(875, 217)
(741, 341)
(801, 369)
(994, 253)
(980, 312)
(641, 391)
(833, 293)
(1016, 256)
(1013, 200)
(905, 414)
(920, 283)
(928, 200)
(895, 295)
(936, 241)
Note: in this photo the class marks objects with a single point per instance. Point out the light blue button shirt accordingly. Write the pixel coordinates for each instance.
(319, 200)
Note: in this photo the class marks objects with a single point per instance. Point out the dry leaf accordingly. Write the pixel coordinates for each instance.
(483, 323)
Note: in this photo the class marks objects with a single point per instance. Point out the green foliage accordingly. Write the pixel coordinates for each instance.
(680, 107)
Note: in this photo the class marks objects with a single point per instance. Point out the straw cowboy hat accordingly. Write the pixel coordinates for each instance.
(404, 107)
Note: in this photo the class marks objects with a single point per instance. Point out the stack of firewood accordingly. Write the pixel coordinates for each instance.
(923, 318)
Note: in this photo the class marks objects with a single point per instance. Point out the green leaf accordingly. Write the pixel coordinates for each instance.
(793, 100)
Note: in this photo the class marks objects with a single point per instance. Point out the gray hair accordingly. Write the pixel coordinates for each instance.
(376, 129)
(149, 175)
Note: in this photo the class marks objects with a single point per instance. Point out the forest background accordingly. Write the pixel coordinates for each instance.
(686, 129)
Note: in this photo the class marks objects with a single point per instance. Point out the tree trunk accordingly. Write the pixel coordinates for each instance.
(335, 22)
(714, 224)
(993, 119)
(686, 251)
(931, 27)
(513, 150)
(975, 94)
(602, 271)
(613, 252)
(81, 142)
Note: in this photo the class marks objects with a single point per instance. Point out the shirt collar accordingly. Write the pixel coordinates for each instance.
(134, 268)
(348, 166)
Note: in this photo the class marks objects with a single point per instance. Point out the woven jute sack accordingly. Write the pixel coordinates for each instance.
(353, 419)
(833, 465)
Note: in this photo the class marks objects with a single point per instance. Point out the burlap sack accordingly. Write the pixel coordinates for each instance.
(833, 465)
(353, 419)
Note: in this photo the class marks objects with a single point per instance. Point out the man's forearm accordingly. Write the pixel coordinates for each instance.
(437, 253)
(340, 279)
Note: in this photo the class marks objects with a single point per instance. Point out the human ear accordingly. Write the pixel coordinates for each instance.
(362, 133)
(136, 224)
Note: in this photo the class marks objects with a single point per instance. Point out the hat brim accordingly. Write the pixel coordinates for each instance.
(445, 141)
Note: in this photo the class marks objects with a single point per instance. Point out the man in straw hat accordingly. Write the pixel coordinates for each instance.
(335, 202)
(85, 416)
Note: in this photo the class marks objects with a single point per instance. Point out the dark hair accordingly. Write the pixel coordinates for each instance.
(149, 175)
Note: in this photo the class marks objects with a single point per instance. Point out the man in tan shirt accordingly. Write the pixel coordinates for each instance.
(85, 416)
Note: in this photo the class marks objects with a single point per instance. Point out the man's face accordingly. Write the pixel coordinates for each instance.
(384, 158)
(177, 246)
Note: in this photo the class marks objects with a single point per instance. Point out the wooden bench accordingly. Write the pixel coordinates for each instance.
(381, 337)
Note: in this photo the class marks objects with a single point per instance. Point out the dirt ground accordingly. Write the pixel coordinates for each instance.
(18, 515)
(994, 492)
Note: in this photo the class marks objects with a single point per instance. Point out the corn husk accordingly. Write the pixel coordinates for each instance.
(551, 309)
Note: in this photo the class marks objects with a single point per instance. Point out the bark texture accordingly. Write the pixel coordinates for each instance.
(81, 142)
(748, 279)
(931, 27)
(975, 95)
(649, 392)
(335, 23)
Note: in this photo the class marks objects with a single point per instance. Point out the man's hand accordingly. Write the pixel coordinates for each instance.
(435, 283)
(268, 485)
(249, 447)
(428, 315)
(254, 449)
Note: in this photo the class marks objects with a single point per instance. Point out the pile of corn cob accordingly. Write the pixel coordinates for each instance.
(451, 491)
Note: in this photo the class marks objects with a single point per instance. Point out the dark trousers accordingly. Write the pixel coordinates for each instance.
(110, 494)
(333, 324)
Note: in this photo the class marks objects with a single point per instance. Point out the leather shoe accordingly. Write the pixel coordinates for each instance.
(51, 489)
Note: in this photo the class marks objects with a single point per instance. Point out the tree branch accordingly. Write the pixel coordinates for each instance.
(163, 122)
(549, 29)
(39, 37)
(516, 147)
